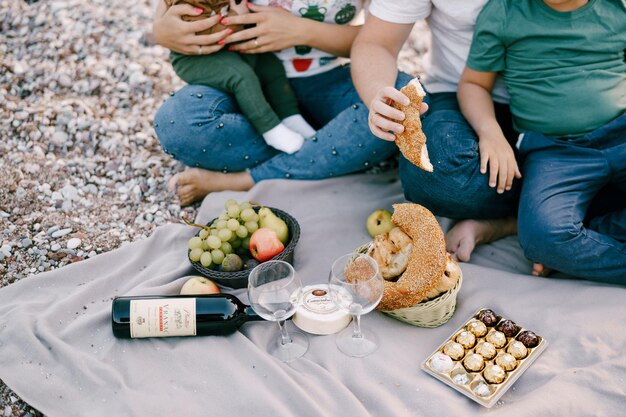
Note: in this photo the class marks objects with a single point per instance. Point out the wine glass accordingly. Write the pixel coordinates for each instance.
(275, 291)
(356, 286)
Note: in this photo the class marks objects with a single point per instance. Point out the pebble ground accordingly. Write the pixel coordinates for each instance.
(81, 171)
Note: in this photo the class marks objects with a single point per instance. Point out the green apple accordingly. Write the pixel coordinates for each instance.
(379, 222)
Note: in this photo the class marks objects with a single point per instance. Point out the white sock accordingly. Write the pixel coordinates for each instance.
(283, 139)
(298, 124)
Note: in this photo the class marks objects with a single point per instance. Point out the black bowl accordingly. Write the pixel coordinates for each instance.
(239, 279)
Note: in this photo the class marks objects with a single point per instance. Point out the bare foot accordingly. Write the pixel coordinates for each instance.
(467, 234)
(541, 271)
(194, 184)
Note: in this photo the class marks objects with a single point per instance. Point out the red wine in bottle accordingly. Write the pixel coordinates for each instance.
(179, 315)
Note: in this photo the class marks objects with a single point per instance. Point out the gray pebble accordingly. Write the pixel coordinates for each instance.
(55, 247)
(73, 243)
(60, 138)
(20, 192)
(69, 192)
(52, 230)
(61, 233)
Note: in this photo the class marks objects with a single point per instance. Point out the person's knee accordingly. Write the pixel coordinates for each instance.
(166, 115)
(543, 238)
(187, 112)
(451, 142)
(455, 195)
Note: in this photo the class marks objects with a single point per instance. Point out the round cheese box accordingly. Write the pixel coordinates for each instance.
(317, 314)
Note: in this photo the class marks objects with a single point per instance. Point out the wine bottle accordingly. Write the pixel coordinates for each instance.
(179, 315)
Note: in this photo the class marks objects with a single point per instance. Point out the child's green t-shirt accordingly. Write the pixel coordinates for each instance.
(565, 71)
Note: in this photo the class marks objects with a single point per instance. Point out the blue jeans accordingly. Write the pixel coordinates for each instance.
(562, 177)
(203, 127)
(456, 188)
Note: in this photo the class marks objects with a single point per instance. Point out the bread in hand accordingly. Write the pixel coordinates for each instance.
(412, 141)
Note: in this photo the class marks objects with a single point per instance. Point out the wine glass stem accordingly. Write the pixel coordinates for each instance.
(356, 319)
(283, 333)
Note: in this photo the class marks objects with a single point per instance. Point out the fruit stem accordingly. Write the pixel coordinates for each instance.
(188, 223)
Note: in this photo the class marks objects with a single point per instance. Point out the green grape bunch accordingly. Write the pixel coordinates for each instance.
(224, 244)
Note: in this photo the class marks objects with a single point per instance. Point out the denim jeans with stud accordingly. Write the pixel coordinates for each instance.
(203, 127)
(456, 188)
(562, 178)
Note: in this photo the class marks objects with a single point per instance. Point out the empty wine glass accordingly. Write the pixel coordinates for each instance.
(275, 291)
(356, 286)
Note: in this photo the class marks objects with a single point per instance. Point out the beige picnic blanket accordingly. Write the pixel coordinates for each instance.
(58, 353)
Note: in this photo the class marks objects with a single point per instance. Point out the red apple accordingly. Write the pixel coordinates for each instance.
(265, 244)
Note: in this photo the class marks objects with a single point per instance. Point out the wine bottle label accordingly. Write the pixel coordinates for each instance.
(163, 317)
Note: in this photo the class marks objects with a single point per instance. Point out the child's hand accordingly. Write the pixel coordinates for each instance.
(496, 153)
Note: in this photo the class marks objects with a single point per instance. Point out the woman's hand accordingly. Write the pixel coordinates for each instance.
(384, 118)
(172, 32)
(497, 154)
(276, 29)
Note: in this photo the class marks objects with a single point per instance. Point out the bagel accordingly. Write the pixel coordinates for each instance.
(448, 280)
(412, 141)
(427, 261)
(391, 251)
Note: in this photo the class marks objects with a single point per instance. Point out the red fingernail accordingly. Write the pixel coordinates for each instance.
(229, 31)
(231, 48)
(224, 21)
(198, 10)
(220, 42)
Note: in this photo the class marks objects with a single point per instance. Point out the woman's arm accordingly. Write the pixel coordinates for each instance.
(277, 29)
(172, 32)
(374, 71)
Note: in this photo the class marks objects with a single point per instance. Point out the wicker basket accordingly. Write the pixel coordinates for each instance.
(428, 313)
(239, 279)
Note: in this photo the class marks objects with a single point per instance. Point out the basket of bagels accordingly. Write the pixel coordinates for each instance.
(421, 278)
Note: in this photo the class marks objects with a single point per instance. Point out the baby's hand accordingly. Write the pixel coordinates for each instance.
(496, 153)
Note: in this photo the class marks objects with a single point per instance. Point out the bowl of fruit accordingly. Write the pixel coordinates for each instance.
(244, 235)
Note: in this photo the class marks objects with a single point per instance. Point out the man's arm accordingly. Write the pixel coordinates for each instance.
(374, 70)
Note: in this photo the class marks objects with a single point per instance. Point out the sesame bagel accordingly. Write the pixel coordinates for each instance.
(412, 141)
(427, 262)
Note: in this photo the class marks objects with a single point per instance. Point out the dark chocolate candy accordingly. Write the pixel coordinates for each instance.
(488, 317)
(508, 327)
(528, 338)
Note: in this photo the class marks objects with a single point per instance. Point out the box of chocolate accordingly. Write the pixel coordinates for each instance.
(485, 356)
